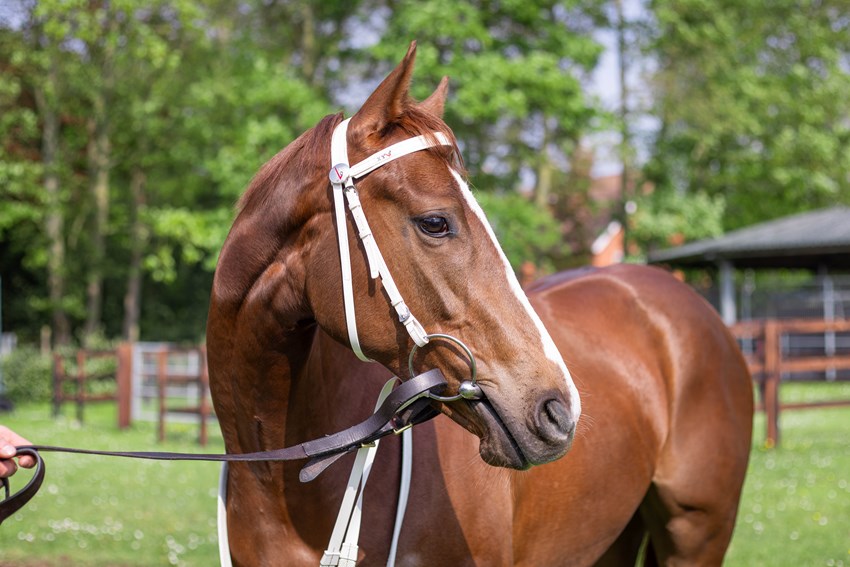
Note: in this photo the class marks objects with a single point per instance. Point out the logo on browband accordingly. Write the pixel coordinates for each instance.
(339, 173)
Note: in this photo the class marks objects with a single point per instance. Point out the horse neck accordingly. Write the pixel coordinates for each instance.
(260, 327)
(275, 377)
(333, 391)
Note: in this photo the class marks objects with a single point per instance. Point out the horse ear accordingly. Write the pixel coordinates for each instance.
(437, 101)
(389, 100)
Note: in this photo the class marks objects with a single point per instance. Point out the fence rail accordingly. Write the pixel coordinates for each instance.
(89, 376)
(74, 376)
(765, 347)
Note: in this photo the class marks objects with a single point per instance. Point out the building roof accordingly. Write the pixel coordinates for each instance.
(806, 240)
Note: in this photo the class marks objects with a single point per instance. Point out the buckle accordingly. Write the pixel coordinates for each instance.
(402, 429)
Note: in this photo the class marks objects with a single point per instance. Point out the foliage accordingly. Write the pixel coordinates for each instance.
(752, 104)
(164, 111)
(516, 70)
(664, 218)
(525, 232)
(27, 375)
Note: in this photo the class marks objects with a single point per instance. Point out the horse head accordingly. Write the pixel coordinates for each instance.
(453, 275)
(282, 264)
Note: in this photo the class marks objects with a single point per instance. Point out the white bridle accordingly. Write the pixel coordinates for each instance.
(342, 548)
(342, 178)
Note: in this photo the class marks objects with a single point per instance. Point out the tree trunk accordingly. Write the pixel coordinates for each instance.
(545, 171)
(308, 43)
(99, 157)
(54, 220)
(139, 237)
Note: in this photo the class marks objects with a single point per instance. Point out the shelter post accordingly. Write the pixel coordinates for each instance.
(727, 291)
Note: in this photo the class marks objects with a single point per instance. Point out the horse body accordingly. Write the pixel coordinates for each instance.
(667, 425)
(666, 392)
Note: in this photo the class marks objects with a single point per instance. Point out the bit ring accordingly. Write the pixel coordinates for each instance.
(468, 389)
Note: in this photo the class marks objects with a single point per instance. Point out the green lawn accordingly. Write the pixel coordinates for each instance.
(796, 505)
(116, 512)
(108, 511)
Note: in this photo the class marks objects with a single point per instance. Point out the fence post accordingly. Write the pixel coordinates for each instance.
(58, 373)
(124, 377)
(772, 356)
(204, 387)
(81, 383)
(161, 379)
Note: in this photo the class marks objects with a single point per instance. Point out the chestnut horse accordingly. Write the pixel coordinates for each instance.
(662, 447)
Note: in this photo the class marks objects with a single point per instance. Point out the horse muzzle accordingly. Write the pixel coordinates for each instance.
(519, 443)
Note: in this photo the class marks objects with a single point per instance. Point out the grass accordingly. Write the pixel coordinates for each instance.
(97, 511)
(795, 510)
(113, 512)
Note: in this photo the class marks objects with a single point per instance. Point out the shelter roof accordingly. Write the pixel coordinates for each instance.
(806, 240)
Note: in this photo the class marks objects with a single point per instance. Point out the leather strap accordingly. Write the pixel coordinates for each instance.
(342, 178)
(15, 502)
(406, 405)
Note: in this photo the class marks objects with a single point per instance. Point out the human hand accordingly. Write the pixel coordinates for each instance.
(8, 440)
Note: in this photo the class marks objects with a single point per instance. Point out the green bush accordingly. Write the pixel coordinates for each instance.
(27, 375)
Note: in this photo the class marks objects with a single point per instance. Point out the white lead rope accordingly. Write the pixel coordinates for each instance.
(221, 519)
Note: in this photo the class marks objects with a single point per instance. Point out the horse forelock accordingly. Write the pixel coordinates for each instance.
(416, 122)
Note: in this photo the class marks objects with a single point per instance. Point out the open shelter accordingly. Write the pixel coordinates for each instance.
(816, 240)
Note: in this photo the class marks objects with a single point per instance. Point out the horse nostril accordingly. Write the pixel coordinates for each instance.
(555, 423)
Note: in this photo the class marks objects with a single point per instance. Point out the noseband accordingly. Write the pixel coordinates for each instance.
(342, 177)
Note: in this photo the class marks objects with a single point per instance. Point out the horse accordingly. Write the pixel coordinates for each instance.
(513, 476)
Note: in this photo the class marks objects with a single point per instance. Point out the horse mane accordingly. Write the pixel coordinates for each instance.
(301, 154)
(314, 146)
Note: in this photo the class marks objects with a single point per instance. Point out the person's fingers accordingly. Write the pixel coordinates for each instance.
(8, 440)
(7, 450)
(26, 461)
(7, 468)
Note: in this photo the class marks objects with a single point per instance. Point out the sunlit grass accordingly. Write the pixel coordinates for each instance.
(796, 504)
(109, 511)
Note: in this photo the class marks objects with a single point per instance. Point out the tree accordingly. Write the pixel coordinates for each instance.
(516, 70)
(517, 103)
(130, 129)
(752, 105)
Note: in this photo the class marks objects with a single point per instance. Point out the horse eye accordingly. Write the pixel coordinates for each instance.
(434, 226)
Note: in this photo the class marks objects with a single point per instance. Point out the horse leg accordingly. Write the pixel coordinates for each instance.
(682, 534)
(625, 550)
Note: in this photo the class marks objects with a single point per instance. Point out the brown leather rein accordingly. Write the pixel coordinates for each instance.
(407, 405)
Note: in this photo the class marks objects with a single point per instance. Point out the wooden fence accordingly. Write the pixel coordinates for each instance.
(166, 378)
(74, 377)
(762, 344)
(90, 376)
